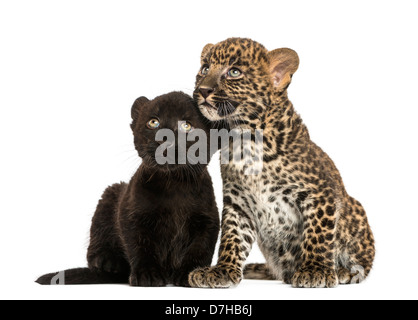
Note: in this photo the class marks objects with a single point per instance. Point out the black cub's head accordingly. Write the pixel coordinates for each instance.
(169, 132)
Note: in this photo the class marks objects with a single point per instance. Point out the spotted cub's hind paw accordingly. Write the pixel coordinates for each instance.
(356, 275)
(258, 271)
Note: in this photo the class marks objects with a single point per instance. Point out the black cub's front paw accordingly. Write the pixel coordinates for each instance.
(147, 278)
(181, 279)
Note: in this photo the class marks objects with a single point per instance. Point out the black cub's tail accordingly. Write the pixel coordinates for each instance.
(82, 276)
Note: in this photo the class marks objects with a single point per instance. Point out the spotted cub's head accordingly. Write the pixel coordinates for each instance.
(239, 77)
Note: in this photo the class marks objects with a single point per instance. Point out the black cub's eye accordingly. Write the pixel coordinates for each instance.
(205, 70)
(234, 73)
(186, 127)
(153, 124)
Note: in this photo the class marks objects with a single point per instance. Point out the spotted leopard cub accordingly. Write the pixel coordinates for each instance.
(311, 232)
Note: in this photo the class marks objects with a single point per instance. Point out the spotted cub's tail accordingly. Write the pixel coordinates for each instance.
(82, 276)
(258, 272)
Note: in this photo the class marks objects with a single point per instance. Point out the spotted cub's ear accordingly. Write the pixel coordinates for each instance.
(205, 52)
(283, 64)
(138, 104)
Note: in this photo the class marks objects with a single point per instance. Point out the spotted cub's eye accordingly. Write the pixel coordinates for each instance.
(186, 127)
(205, 70)
(153, 124)
(234, 73)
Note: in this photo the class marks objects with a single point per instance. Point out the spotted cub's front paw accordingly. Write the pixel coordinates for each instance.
(315, 278)
(215, 277)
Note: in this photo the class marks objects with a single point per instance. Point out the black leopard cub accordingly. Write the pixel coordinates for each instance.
(164, 223)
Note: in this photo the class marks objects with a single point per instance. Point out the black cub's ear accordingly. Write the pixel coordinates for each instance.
(138, 104)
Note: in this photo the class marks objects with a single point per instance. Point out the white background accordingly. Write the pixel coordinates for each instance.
(70, 71)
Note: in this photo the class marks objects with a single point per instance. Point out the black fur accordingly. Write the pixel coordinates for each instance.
(162, 225)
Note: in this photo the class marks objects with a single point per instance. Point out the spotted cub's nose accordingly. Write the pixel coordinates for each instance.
(206, 92)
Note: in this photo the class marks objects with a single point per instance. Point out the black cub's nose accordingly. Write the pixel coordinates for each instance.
(206, 92)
